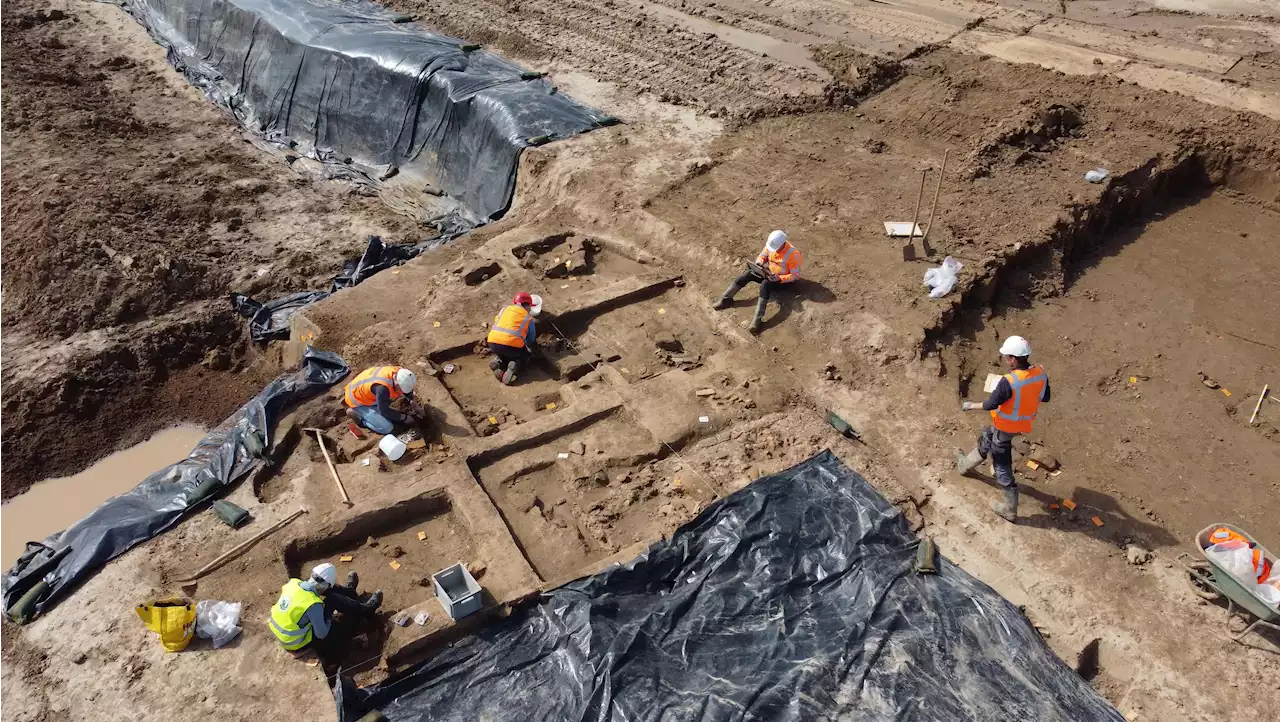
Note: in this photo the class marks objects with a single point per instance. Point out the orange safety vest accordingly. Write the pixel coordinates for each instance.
(360, 390)
(511, 327)
(1015, 415)
(1222, 535)
(783, 263)
(1231, 540)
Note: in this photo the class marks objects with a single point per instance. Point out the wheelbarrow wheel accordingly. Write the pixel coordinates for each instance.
(1199, 582)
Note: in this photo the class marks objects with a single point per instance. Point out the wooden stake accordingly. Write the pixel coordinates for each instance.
(333, 471)
(242, 547)
(1261, 396)
(915, 218)
(936, 190)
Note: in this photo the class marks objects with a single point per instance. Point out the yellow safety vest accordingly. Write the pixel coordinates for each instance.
(287, 612)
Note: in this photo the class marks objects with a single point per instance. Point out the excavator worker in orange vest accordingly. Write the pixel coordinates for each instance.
(776, 266)
(1013, 405)
(513, 337)
(369, 395)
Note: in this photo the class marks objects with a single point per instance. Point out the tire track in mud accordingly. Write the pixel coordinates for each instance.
(623, 43)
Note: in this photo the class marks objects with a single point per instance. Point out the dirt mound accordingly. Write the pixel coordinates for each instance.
(105, 222)
(132, 207)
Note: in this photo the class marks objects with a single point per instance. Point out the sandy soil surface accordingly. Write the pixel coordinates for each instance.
(1128, 290)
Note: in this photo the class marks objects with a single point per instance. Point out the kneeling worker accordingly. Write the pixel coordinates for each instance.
(369, 397)
(305, 609)
(777, 265)
(514, 337)
(1013, 405)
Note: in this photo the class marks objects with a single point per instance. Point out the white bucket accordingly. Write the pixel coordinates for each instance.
(537, 305)
(393, 447)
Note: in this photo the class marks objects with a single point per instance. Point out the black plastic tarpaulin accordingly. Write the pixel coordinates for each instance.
(50, 569)
(353, 85)
(270, 321)
(793, 599)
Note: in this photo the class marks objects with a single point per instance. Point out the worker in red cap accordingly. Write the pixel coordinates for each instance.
(513, 336)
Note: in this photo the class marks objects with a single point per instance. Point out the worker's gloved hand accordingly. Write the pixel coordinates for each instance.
(773, 277)
(969, 406)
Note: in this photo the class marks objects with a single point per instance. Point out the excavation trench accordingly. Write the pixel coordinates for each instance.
(456, 174)
(1047, 267)
(1154, 315)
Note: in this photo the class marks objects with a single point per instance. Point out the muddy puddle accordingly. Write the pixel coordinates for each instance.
(54, 504)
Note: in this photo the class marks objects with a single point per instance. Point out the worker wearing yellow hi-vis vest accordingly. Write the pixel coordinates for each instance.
(304, 611)
(513, 337)
(1013, 405)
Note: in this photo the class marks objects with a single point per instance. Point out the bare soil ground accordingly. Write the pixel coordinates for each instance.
(1128, 290)
(132, 207)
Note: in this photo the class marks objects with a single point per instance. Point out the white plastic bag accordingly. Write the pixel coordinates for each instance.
(943, 278)
(1269, 592)
(1236, 559)
(218, 621)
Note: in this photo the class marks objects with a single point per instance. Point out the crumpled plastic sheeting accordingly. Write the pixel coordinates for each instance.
(344, 83)
(378, 256)
(170, 494)
(792, 599)
(270, 321)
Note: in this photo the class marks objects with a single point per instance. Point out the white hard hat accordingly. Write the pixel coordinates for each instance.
(406, 380)
(537, 304)
(326, 573)
(1015, 346)
(776, 239)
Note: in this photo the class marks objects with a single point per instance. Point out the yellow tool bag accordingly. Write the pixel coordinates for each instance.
(173, 619)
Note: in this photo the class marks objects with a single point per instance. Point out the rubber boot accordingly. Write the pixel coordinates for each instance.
(509, 376)
(1008, 509)
(727, 297)
(758, 319)
(966, 463)
(373, 602)
(353, 581)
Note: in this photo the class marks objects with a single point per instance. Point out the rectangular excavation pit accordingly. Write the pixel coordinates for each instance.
(645, 336)
(614, 489)
(491, 406)
(394, 531)
(575, 261)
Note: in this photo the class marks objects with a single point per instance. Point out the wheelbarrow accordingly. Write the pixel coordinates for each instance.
(1219, 584)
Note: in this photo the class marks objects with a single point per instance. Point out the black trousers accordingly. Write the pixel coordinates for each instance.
(343, 599)
(767, 287)
(522, 356)
(999, 446)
